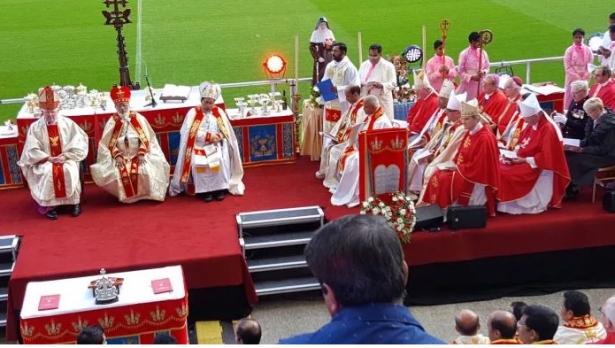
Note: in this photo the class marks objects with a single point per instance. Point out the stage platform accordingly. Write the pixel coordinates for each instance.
(511, 254)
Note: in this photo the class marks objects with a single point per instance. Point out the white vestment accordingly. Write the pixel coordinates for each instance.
(341, 74)
(568, 335)
(437, 139)
(152, 176)
(476, 339)
(38, 171)
(212, 167)
(383, 72)
(347, 191)
(608, 44)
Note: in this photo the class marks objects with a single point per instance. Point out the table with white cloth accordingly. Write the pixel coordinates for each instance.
(135, 318)
(10, 174)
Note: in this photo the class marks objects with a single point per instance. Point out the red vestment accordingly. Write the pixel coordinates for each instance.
(421, 111)
(506, 341)
(606, 93)
(545, 146)
(494, 106)
(477, 162)
(505, 117)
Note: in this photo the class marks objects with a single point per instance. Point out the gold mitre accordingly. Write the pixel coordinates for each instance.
(209, 90)
(469, 108)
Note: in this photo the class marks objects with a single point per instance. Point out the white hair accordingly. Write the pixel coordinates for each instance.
(371, 99)
(579, 85)
(510, 83)
(593, 104)
(609, 310)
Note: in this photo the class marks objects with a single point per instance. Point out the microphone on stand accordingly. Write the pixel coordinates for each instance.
(150, 90)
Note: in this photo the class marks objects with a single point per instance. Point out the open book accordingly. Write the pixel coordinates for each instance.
(173, 92)
(420, 154)
(572, 142)
(508, 154)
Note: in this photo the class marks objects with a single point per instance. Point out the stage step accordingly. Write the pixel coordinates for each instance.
(284, 286)
(4, 294)
(273, 242)
(9, 247)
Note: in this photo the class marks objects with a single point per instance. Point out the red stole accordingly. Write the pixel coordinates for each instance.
(349, 150)
(515, 128)
(547, 150)
(494, 106)
(421, 111)
(55, 149)
(506, 341)
(504, 118)
(584, 322)
(344, 132)
(129, 173)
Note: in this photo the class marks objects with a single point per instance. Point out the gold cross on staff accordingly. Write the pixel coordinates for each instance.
(486, 36)
(445, 26)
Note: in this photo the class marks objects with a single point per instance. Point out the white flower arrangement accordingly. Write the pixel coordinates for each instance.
(400, 214)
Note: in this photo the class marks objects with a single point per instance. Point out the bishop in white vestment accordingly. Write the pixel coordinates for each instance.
(378, 77)
(50, 160)
(347, 192)
(130, 164)
(208, 162)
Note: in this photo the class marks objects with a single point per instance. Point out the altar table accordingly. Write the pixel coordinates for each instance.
(135, 318)
(10, 173)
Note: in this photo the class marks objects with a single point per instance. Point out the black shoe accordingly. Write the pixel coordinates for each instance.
(76, 210)
(220, 196)
(209, 197)
(52, 214)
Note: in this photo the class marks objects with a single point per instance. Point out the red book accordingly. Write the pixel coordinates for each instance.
(49, 302)
(162, 285)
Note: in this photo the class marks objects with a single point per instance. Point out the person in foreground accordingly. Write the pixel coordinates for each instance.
(54, 147)
(537, 325)
(248, 331)
(502, 328)
(359, 262)
(608, 321)
(208, 161)
(92, 335)
(130, 164)
(467, 325)
(579, 325)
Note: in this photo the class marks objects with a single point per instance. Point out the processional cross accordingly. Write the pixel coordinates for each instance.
(118, 17)
(486, 36)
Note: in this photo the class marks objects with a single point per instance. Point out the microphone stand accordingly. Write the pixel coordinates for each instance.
(151, 93)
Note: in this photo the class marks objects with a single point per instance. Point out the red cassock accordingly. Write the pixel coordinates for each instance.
(477, 162)
(494, 105)
(421, 111)
(606, 93)
(507, 113)
(544, 145)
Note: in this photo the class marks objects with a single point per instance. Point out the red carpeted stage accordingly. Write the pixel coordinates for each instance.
(202, 237)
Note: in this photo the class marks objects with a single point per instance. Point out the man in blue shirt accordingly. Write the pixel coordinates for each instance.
(359, 262)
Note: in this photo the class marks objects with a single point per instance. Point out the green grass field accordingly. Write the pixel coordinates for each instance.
(189, 41)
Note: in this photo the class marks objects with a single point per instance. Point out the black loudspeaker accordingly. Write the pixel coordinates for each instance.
(608, 201)
(429, 218)
(473, 216)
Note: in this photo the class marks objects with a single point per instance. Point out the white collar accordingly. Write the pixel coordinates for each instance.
(478, 127)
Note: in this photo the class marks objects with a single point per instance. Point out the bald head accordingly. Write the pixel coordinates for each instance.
(370, 104)
(248, 331)
(502, 325)
(467, 323)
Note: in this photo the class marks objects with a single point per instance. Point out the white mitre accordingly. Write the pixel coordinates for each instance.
(209, 90)
(454, 101)
(447, 88)
(530, 106)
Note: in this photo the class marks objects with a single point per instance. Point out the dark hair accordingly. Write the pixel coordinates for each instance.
(518, 306)
(91, 335)
(506, 330)
(474, 36)
(354, 89)
(376, 47)
(467, 330)
(577, 302)
(612, 28)
(604, 71)
(164, 338)
(612, 16)
(341, 46)
(437, 44)
(249, 334)
(578, 31)
(541, 319)
(360, 258)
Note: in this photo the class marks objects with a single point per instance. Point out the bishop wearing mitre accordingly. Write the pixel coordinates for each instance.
(54, 148)
(130, 164)
(208, 162)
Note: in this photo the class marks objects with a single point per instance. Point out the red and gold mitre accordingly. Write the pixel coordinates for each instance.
(48, 99)
(120, 94)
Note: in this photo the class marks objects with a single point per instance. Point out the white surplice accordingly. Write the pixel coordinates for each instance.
(383, 72)
(39, 174)
(230, 173)
(341, 74)
(569, 335)
(474, 340)
(347, 191)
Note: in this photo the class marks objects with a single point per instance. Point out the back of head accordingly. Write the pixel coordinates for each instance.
(372, 100)
(518, 307)
(576, 302)
(164, 338)
(505, 323)
(467, 323)
(360, 258)
(248, 332)
(541, 319)
(91, 335)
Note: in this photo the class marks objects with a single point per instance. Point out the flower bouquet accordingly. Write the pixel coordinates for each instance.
(404, 94)
(315, 98)
(400, 213)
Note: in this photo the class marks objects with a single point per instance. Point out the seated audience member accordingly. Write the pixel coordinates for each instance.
(467, 325)
(517, 308)
(248, 331)
(608, 321)
(535, 175)
(164, 338)
(576, 118)
(502, 328)
(92, 335)
(604, 88)
(597, 149)
(359, 262)
(492, 101)
(579, 326)
(537, 325)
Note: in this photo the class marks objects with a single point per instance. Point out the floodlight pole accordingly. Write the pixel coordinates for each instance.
(118, 17)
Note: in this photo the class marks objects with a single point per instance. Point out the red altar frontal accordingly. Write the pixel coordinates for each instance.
(135, 318)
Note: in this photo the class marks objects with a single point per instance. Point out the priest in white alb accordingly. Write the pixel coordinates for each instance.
(208, 162)
(54, 148)
(378, 77)
(130, 164)
(335, 141)
(347, 191)
(342, 73)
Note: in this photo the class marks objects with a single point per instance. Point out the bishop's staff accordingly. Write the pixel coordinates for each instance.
(486, 36)
(445, 25)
